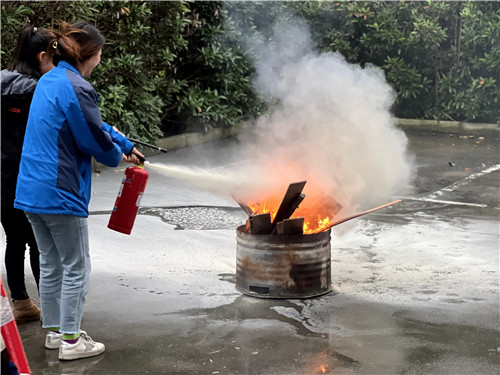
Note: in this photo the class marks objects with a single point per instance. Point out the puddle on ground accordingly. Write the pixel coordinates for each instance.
(194, 217)
(198, 217)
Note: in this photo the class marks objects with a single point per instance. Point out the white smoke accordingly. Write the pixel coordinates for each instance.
(333, 123)
(332, 127)
(222, 181)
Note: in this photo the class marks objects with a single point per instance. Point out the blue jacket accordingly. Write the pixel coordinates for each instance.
(64, 130)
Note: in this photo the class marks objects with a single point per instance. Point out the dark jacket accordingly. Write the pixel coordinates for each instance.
(64, 131)
(17, 92)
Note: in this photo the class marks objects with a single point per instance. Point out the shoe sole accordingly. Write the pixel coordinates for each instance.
(20, 321)
(72, 357)
(52, 346)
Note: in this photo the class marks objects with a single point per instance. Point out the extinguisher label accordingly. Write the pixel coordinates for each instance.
(139, 198)
(121, 188)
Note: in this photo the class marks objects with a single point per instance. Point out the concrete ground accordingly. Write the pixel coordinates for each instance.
(415, 286)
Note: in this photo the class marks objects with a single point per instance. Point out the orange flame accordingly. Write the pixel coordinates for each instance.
(270, 205)
(318, 211)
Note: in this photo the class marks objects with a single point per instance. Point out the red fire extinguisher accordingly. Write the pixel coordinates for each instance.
(129, 199)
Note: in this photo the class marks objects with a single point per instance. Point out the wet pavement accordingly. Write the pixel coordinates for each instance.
(415, 286)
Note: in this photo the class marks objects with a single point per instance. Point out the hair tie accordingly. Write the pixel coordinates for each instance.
(54, 45)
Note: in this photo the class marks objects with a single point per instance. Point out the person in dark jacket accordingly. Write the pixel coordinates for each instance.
(32, 59)
(64, 131)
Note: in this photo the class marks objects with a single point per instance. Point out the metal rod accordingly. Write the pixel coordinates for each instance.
(360, 214)
(148, 145)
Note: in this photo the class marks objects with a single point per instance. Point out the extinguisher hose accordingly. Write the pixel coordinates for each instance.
(148, 145)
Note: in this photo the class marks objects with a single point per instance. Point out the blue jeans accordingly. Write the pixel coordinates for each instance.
(64, 268)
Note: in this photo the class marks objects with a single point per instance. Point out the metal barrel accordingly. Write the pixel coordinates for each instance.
(276, 266)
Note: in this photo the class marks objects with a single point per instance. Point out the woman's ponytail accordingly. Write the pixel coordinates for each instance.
(31, 41)
(66, 47)
(77, 43)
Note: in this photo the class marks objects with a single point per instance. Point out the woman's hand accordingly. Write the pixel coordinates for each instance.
(133, 157)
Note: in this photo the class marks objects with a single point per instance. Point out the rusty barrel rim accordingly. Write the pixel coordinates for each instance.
(285, 239)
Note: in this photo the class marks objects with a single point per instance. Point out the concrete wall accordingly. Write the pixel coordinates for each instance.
(448, 126)
(191, 139)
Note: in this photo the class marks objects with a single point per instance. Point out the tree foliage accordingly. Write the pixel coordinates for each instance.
(174, 66)
(165, 68)
(442, 58)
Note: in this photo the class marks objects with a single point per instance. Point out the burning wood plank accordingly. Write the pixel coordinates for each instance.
(243, 206)
(260, 224)
(335, 206)
(291, 226)
(290, 202)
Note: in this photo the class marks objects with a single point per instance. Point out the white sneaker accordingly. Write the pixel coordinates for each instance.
(83, 348)
(53, 340)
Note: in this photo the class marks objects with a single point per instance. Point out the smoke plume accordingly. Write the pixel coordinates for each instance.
(333, 125)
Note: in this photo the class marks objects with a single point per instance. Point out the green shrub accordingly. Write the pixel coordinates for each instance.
(174, 66)
(442, 58)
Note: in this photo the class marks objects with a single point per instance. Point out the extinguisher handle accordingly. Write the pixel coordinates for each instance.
(141, 159)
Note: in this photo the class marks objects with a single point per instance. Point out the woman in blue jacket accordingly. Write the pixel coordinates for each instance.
(32, 58)
(64, 131)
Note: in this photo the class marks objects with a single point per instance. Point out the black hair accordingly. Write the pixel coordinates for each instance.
(31, 41)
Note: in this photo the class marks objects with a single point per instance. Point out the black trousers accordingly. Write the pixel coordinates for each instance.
(18, 233)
